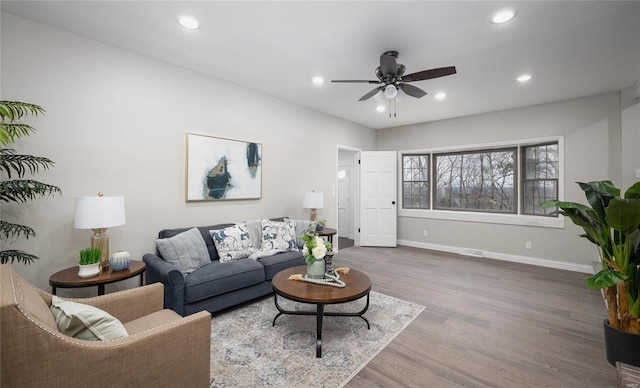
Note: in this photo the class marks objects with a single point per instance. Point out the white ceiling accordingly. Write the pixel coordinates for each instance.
(572, 48)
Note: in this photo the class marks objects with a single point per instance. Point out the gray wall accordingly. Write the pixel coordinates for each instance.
(592, 133)
(116, 123)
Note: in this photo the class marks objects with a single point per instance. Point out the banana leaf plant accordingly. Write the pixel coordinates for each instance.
(612, 223)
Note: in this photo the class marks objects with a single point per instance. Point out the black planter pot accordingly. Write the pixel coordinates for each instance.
(621, 346)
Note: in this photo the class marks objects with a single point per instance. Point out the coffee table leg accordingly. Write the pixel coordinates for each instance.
(280, 310)
(100, 289)
(319, 316)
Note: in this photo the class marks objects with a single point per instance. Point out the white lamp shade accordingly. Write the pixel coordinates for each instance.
(313, 200)
(99, 212)
(390, 92)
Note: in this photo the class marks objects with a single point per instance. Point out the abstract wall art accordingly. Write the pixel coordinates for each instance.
(221, 169)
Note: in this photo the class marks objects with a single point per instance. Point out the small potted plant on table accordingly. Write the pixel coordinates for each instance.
(89, 263)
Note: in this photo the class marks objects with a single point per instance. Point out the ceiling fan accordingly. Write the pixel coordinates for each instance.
(391, 76)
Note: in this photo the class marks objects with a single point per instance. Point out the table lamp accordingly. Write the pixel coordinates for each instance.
(313, 201)
(98, 214)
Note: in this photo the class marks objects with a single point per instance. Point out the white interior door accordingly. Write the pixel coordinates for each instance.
(378, 211)
(344, 201)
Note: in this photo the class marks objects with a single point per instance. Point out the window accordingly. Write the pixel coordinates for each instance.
(476, 180)
(511, 179)
(540, 177)
(415, 181)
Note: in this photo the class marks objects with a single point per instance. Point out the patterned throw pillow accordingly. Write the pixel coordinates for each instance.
(186, 250)
(279, 236)
(232, 242)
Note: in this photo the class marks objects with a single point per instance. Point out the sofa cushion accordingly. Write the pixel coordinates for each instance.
(276, 263)
(151, 321)
(85, 322)
(204, 232)
(254, 227)
(218, 278)
(187, 250)
(278, 235)
(232, 242)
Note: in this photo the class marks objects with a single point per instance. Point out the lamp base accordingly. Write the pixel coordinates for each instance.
(313, 215)
(101, 240)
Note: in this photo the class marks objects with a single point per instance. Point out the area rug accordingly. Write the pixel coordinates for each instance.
(247, 351)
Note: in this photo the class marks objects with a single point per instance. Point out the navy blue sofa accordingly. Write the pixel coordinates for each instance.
(215, 286)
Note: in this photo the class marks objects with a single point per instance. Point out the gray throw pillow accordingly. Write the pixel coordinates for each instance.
(187, 250)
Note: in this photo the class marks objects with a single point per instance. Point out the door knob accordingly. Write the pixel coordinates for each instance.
(393, 202)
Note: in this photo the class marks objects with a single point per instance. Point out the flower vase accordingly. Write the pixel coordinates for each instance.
(315, 269)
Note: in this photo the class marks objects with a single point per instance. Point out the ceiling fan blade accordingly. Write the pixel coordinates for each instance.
(412, 90)
(388, 65)
(371, 93)
(355, 81)
(429, 74)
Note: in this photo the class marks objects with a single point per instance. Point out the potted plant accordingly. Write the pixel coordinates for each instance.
(89, 263)
(320, 225)
(314, 250)
(612, 223)
(16, 185)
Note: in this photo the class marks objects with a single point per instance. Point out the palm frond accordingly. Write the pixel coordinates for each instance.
(24, 190)
(15, 110)
(12, 231)
(21, 164)
(10, 256)
(9, 132)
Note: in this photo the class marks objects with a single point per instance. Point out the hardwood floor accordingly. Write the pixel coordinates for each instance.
(487, 323)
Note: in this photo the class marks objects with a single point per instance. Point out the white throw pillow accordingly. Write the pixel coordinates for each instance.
(186, 250)
(232, 242)
(279, 236)
(85, 322)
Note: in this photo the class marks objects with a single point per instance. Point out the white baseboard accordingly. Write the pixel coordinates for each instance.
(584, 268)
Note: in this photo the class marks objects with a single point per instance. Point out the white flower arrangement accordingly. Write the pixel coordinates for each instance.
(315, 248)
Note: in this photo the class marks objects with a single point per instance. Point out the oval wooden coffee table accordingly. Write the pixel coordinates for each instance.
(357, 286)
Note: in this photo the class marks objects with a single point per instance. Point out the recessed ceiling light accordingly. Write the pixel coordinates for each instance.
(524, 77)
(503, 16)
(188, 22)
(317, 80)
(440, 96)
(380, 108)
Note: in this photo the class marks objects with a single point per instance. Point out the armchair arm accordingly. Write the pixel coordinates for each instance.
(175, 353)
(159, 270)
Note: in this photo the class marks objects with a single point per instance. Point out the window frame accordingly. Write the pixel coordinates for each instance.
(517, 218)
(523, 172)
(434, 180)
(428, 181)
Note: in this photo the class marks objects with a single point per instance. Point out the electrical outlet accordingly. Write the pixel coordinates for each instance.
(527, 245)
(426, 233)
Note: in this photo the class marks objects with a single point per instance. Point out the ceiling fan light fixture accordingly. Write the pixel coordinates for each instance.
(188, 22)
(503, 16)
(390, 92)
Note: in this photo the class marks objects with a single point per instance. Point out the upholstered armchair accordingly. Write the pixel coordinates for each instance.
(162, 348)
